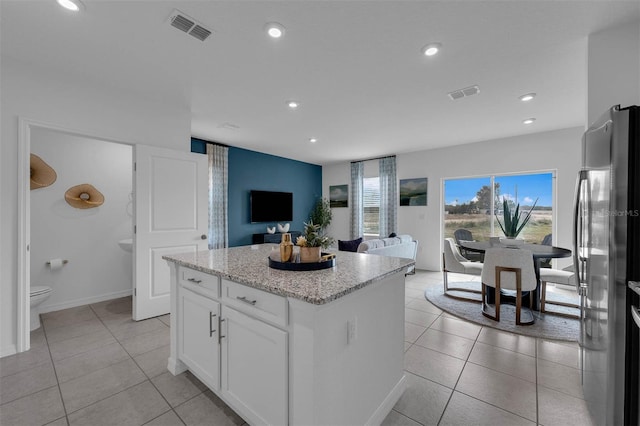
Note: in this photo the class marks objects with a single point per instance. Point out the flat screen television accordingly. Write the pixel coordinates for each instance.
(270, 206)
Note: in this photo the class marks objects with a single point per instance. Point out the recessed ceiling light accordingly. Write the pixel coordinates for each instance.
(431, 49)
(293, 104)
(274, 29)
(73, 5)
(313, 140)
(528, 121)
(527, 97)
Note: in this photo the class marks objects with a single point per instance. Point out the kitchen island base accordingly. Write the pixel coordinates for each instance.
(292, 348)
(278, 359)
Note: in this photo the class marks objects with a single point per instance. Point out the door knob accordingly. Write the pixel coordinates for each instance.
(203, 237)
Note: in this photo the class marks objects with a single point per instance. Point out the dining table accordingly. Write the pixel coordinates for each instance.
(539, 252)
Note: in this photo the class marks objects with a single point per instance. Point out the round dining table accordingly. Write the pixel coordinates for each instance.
(539, 252)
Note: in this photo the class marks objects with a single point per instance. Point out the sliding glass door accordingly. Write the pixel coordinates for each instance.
(476, 204)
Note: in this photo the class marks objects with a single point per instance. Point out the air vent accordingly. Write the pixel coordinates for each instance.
(228, 126)
(463, 93)
(188, 25)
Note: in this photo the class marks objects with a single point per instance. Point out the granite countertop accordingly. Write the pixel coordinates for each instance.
(250, 265)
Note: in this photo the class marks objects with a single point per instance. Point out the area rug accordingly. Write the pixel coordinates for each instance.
(546, 326)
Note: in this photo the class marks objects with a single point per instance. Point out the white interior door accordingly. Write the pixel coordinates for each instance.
(171, 209)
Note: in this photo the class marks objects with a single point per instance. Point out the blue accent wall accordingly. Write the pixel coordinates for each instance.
(249, 170)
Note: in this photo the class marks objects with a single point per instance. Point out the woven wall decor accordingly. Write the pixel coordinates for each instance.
(41, 173)
(84, 196)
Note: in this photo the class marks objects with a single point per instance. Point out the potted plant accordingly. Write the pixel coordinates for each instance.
(513, 221)
(321, 214)
(311, 242)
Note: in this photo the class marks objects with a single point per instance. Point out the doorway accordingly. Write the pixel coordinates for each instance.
(84, 234)
(170, 215)
(76, 282)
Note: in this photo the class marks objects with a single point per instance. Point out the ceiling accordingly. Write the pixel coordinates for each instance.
(356, 67)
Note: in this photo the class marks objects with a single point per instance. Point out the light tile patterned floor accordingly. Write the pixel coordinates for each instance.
(93, 365)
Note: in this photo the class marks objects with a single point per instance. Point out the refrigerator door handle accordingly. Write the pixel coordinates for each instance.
(635, 314)
(577, 233)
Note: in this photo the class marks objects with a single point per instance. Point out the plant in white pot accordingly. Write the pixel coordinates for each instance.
(514, 221)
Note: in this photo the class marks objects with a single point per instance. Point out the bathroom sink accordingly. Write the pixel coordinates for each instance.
(126, 245)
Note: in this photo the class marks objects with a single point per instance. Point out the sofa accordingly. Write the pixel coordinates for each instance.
(398, 246)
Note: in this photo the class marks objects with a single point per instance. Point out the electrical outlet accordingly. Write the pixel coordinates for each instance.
(352, 330)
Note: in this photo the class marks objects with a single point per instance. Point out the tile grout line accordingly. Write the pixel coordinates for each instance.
(537, 396)
(466, 361)
(55, 372)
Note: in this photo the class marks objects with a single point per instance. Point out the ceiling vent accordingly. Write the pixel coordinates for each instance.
(188, 25)
(463, 93)
(228, 126)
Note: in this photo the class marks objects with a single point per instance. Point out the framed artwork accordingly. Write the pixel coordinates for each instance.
(339, 196)
(413, 192)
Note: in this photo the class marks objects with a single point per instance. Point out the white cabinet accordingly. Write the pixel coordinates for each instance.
(255, 368)
(198, 345)
(225, 341)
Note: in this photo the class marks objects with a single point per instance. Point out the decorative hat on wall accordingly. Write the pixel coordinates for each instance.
(41, 173)
(83, 196)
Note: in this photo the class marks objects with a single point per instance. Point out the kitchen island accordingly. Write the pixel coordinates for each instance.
(291, 347)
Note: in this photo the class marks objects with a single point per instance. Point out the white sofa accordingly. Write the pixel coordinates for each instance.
(398, 246)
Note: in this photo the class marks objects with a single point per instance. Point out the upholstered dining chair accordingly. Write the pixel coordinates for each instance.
(465, 235)
(453, 261)
(557, 276)
(546, 241)
(508, 269)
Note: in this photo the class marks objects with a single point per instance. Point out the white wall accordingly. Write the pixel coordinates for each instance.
(558, 150)
(88, 108)
(613, 75)
(98, 268)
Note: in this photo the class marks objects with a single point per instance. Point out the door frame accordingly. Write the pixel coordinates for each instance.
(25, 125)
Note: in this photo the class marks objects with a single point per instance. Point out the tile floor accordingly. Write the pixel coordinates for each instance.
(92, 365)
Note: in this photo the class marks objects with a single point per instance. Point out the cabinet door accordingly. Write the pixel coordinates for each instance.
(198, 344)
(255, 368)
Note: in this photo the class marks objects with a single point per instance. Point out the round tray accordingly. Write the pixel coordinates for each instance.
(307, 266)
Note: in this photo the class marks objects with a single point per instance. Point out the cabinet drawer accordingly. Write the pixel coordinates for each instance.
(255, 302)
(196, 280)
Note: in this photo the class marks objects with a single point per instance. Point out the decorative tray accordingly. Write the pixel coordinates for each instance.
(307, 266)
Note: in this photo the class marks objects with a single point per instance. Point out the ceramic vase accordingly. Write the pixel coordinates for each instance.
(286, 248)
(309, 254)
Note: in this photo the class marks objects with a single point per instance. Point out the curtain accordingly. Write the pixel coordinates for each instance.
(218, 190)
(388, 196)
(356, 199)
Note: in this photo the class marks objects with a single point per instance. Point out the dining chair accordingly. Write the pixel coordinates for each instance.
(465, 235)
(546, 241)
(558, 276)
(453, 261)
(508, 269)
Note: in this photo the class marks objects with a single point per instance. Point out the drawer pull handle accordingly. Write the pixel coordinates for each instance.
(193, 280)
(211, 330)
(245, 300)
(220, 336)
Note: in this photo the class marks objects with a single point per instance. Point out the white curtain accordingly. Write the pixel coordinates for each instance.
(356, 199)
(388, 196)
(218, 190)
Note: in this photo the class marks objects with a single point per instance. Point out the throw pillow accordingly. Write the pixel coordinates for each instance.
(351, 245)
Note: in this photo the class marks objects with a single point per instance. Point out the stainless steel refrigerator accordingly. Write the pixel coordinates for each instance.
(607, 258)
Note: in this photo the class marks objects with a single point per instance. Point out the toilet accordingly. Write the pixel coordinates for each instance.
(38, 294)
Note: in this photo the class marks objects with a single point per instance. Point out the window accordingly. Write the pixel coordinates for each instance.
(371, 189)
(471, 203)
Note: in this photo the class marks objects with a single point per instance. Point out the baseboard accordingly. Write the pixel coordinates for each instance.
(175, 366)
(85, 301)
(389, 402)
(9, 350)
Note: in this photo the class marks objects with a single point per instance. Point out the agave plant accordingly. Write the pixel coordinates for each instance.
(514, 222)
